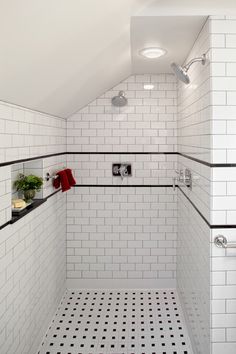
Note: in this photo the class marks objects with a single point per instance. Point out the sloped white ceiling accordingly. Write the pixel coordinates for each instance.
(58, 55)
(175, 34)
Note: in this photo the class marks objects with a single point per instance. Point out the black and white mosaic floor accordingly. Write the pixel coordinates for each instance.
(118, 322)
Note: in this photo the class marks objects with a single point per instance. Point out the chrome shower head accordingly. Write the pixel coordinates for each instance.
(182, 71)
(120, 100)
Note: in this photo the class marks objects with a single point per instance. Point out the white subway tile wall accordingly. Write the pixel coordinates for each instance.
(209, 110)
(147, 123)
(193, 251)
(121, 233)
(193, 273)
(194, 104)
(223, 262)
(223, 62)
(32, 251)
(149, 169)
(124, 233)
(25, 133)
(32, 275)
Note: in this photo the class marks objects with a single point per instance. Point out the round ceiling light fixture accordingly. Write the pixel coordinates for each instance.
(152, 52)
(148, 86)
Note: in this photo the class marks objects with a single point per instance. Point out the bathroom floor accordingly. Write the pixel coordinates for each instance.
(118, 322)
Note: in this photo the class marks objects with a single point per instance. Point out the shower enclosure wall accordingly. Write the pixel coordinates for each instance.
(206, 275)
(123, 234)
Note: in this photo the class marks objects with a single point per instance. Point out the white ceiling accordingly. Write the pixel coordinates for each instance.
(58, 55)
(176, 34)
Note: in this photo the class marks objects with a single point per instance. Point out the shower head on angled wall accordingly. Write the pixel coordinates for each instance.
(120, 100)
(182, 71)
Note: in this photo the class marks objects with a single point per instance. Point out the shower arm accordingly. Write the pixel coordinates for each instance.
(201, 59)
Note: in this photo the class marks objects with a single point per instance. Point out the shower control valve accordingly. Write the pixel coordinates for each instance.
(121, 169)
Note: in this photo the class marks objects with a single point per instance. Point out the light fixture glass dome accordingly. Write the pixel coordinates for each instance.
(152, 52)
(148, 86)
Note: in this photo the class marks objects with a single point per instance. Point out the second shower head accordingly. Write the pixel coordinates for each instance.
(120, 100)
(182, 71)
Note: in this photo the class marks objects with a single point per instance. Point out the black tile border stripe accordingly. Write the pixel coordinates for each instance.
(123, 185)
(4, 225)
(2, 164)
(230, 226)
(208, 164)
(194, 206)
(123, 153)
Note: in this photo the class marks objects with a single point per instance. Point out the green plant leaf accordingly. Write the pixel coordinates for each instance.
(30, 182)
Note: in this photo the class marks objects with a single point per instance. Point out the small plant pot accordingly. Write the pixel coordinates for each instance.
(29, 195)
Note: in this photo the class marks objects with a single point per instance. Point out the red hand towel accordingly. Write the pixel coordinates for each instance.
(70, 177)
(65, 185)
(56, 183)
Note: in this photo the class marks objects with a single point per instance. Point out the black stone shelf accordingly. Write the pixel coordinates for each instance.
(17, 216)
(36, 203)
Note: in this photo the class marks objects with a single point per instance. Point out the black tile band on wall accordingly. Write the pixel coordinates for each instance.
(8, 163)
(123, 185)
(123, 153)
(2, 164)
(211, 226)
(209, 164)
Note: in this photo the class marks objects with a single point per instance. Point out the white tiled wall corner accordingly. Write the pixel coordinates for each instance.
(194, 104)
(193, 246)
(201, 185)
(32, 276)
(147, 123)
(193, 273)
(25, 133)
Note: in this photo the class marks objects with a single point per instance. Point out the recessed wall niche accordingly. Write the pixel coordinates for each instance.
(26, 168)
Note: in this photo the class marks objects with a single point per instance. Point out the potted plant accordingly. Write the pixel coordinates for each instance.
(28, 185)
